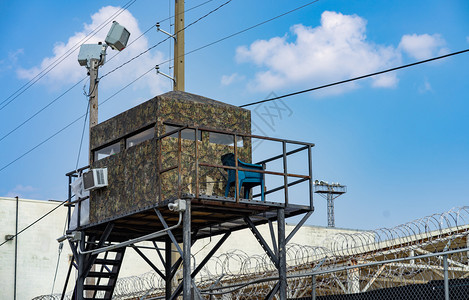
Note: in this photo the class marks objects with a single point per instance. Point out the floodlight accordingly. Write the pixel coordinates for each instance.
(117, 36)
(91, 51)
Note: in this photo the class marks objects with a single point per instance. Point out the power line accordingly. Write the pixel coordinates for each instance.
(244, 105)
(30, 225)
(60, 59)
(42, 109)
(152, 68)
(153, 26)
(356, 78)
(252, 103)
(167, 38)
(252, 27)
(85, 115)
(69, 89)
(41, 143)
(214, 42)
(82, 133)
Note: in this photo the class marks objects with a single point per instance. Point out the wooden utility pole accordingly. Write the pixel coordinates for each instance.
(179, 45)
(93, 98)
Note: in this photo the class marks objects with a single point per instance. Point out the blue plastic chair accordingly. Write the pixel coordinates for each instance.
(246, 179)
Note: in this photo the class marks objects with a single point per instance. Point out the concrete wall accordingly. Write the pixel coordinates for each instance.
(242, 240)
(37, 248)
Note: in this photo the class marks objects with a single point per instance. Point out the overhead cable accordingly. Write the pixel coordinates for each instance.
(27, 227)
(81, 80)
(256, 102)
(356, 78)
(167, 38)
(57, 61)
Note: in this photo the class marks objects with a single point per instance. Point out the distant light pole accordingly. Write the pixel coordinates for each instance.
(330, 192)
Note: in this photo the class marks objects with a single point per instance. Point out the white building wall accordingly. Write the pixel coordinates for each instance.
(37, 248)
(244, 240)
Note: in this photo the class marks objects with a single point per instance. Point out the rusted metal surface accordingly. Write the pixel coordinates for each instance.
(211, 218)
(256, 171)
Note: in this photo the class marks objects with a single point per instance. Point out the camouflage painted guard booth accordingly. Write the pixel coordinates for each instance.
(167, 152)
(140, 149)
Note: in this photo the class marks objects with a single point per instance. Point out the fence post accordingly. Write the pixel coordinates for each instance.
(445, 266)
(313, 287)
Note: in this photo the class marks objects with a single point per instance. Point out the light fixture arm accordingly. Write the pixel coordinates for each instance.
(165, 32)
(157, 68)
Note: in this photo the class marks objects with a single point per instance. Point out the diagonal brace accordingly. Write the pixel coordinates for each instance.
(148, 261)
(203, 263)
(272, 292)
(262, 241)
(170, 234)
(298, 226)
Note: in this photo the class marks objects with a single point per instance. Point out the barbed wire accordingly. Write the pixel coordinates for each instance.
(244, 276)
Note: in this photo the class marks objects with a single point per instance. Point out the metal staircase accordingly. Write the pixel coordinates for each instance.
(102, 277)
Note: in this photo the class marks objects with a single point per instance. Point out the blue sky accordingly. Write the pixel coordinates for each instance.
(399, 142)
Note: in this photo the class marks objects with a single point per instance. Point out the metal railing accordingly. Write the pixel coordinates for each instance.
(303, 146)
(198, 164)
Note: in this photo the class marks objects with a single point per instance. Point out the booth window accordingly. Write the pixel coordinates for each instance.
(140, 137)
(225, 139)
(186, 134)
(107, 151)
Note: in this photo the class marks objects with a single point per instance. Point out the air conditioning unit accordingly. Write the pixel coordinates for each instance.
(95, 179)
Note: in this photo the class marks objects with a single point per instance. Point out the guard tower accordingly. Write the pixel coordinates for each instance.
(178, 169)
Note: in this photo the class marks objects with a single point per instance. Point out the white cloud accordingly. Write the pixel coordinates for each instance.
(69, 71)
(11, 61)
(425, 87)
(467, 39)
(423, 46)
(230, 79)
(335, 50)
(23, 191)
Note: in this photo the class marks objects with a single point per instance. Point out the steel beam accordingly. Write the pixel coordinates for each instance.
(170, 234)
(148, 261)
(81, 266)
(282, 254)
(186, 264)
(262, 241)
(167, 268)
(298, 226)
(272, 235)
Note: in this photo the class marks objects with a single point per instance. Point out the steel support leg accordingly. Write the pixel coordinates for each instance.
(282, 256)
(445, 266)
(313, 287)
(81, 271)
(187, 252)
(167, 268)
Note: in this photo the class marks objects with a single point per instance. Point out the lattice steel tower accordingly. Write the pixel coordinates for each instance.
(330, 192)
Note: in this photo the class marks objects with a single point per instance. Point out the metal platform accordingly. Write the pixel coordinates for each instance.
(211, 215)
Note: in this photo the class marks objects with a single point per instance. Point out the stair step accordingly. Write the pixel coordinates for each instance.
(102, 274)
(91, 287)
(102, 261)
